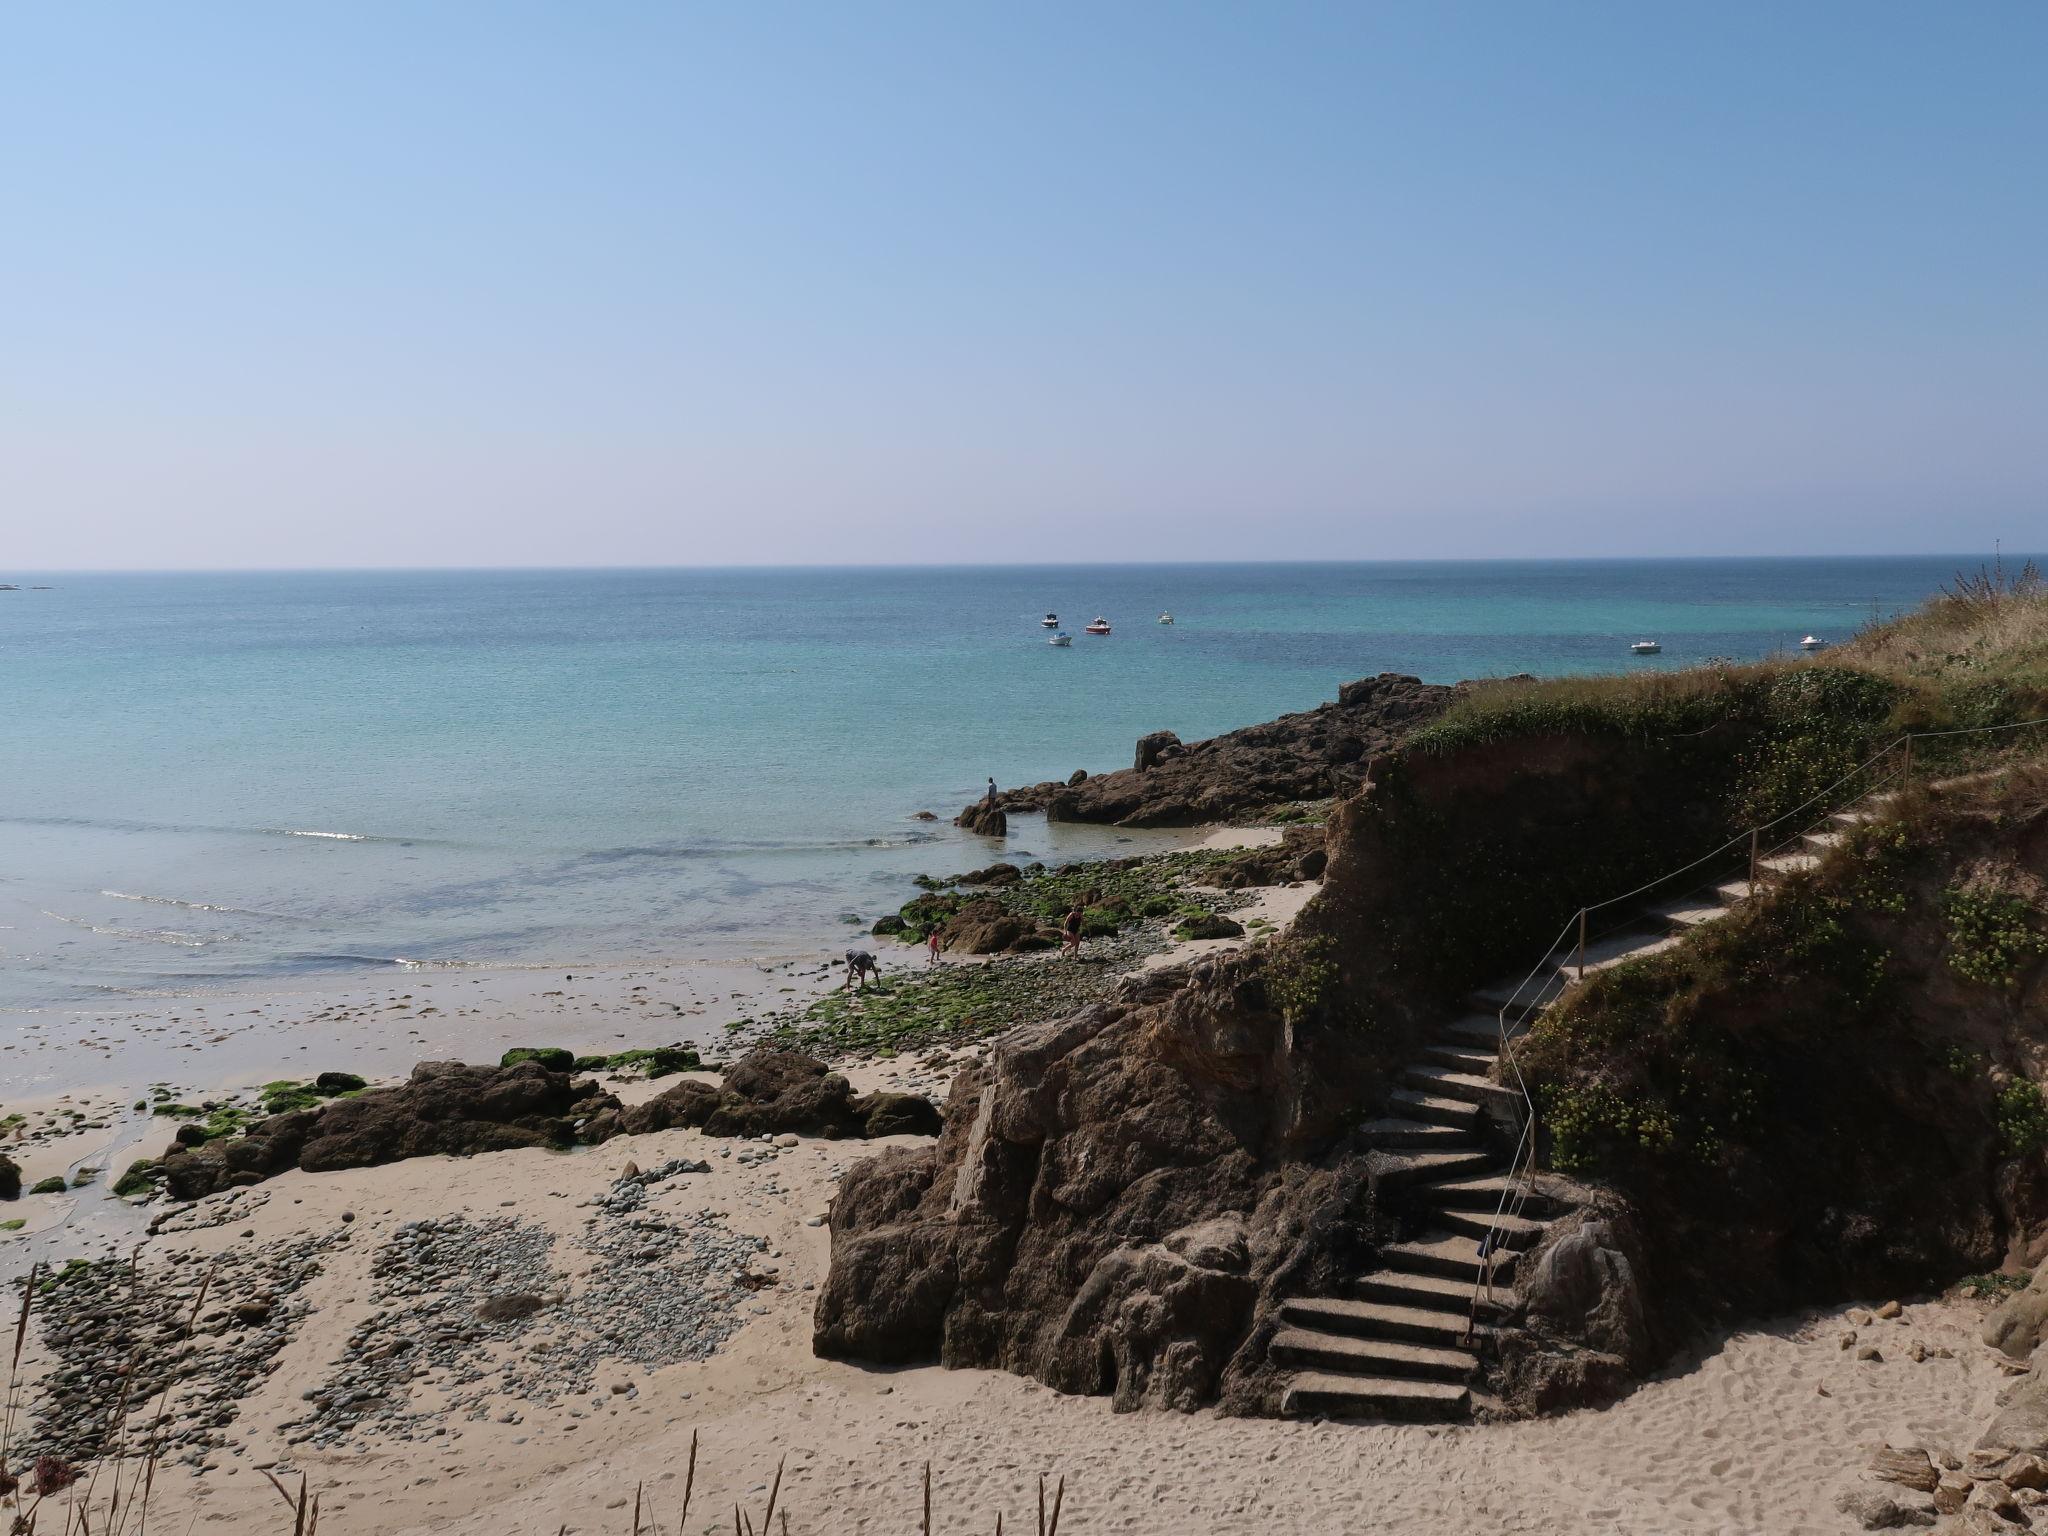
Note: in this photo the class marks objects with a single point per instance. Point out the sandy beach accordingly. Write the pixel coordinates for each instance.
(1751, 1432)
(356, 1334)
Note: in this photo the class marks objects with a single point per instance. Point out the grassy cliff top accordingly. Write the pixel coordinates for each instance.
(1974, 654)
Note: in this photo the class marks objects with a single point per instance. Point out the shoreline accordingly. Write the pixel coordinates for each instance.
(209, 1049)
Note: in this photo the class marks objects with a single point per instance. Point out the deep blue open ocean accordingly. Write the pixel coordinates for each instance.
(219, 780)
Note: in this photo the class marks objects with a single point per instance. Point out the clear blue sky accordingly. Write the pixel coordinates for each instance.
(614, 283)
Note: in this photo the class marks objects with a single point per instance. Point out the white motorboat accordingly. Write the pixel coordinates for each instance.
(1060, 637)
(1645, 648)
(1051, 621)
(1812, 643)
(1166, 618)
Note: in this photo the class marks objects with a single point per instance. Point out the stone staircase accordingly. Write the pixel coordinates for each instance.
(1405, 1344)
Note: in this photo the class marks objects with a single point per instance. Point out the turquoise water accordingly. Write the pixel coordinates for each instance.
(217, 780)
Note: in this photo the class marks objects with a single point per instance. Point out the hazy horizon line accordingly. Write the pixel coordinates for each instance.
(1989, 558)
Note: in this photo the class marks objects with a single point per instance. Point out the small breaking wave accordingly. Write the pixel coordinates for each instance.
(190, 906)
(338, 837)
(152, 935)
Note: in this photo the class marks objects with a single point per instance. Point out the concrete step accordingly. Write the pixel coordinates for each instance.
(1516, 1232)
(1686, 912)
(1734, 891)
(1451, 1254)
(1481, 1029)
(1534, 992)
(1787, 863)
(1389, 1131)
(1417, 1168)
(1442, 1082)
(1437, 1293)
(1377, 1320)
(1849, 819)
(1474, 1059)
(1346, 1353)
(1480, 1193)
(1821, 842)
(1374, 1397)
(1636, 946)
(1439, 1109)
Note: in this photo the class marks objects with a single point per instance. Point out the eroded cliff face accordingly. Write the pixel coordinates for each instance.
(1834, 1092)
(1115, 1200)
(1453, 870)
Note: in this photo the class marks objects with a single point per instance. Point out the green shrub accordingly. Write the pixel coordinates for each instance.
(1991, 937)
(2022, 1118)
(1301, 976)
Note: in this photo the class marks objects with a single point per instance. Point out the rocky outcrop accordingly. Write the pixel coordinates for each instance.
(772, 1093)
(990, 928)
(1299, 855)
(445, 1108)
(1585, 1332)
(985, 818)
(1116, 1200)
(452, 1110)
(1314, 755)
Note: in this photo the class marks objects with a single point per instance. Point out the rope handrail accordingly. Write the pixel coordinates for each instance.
(1515, 1191)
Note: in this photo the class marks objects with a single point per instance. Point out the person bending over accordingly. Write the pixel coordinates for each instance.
(860, 965)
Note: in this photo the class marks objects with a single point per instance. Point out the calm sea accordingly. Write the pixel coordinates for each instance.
(219, 780)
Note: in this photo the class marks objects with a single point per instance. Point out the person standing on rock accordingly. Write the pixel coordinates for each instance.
(861, 964)
(990, 797)
(1070, 935)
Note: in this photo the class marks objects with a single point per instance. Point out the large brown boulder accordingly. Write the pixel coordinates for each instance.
(984, 818)
(987, 927)
(2015, 1326)
(1116, 1202)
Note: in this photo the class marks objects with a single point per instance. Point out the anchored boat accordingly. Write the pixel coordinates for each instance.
(1051, 621)
(1166, 618)
(1812, 643)
(1645, 648)
(1060, 637)
(1099, 627)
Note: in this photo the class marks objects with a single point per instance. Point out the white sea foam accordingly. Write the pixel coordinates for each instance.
(339, 837)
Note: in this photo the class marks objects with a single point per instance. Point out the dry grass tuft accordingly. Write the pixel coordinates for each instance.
(1992, 624)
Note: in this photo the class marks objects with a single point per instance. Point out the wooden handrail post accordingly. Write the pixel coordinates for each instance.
(1906, 773)
(1753, 834)
(1582, 945)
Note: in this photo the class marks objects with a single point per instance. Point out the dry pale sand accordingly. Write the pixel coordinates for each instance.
(1739, 1438)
